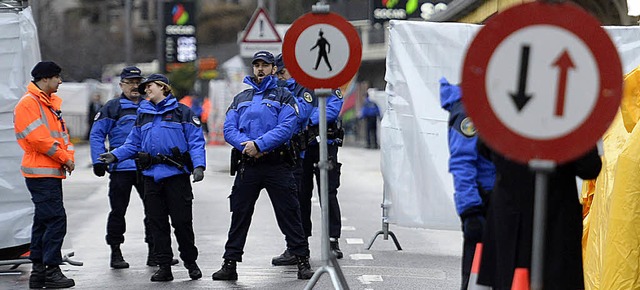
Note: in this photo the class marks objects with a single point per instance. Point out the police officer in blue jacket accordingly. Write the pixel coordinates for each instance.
(114, 122)
(335, 134)
(168, 143)
(259, 123)
(306, 100)
(473, 174)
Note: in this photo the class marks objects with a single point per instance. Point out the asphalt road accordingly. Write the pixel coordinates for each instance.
(429, 259)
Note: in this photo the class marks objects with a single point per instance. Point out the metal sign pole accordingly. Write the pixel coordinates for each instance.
(329, 260)
(542, 169)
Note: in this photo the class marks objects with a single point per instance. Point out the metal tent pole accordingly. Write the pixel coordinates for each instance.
(385, 232)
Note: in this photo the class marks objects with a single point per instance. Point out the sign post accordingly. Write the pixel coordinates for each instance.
(323, 51)
(538, 101)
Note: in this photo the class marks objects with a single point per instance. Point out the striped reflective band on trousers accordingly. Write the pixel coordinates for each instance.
(43, 121)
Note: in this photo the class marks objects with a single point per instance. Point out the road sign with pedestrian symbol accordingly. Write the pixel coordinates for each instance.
(322, 50)
(542, 81)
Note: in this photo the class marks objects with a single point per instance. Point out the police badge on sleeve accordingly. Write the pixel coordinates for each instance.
(339, 94)
(467, 128)
(307, 97)
(97, 116)
(196, 120)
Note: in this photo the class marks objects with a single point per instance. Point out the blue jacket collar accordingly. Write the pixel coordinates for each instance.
(269, 82)
(169, 103)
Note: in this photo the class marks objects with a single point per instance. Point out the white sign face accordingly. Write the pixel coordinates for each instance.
(262, 30)
(322, 51)
(553, 76)
(249, 49)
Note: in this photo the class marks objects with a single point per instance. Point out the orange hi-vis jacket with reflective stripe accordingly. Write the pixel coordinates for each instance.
(41, 133)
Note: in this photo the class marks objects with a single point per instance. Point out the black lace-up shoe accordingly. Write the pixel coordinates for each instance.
(117, 261)
(285, 259)
(304, 269)
(335, 247)
(227, 272)
(194, 270)
(38, 274)
(55, 279)
(163, 274)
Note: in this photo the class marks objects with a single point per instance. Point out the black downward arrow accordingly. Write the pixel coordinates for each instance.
(521, 98)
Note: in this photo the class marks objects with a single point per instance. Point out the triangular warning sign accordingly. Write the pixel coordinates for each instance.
(261, 28)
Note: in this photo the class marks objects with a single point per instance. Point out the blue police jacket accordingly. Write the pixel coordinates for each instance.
(334, 105)
(369, 109)
(305, 99)
(471, 171)
(114, 121)
(265, 114)
(161, 127)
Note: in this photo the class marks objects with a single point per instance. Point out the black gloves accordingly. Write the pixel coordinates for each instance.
(99, 169)
(198, 174)
(108, 157)
(472, 227)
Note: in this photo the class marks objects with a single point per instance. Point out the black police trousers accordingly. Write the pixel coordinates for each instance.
(309, 170)
(49, 220)
(120, 185)
(277, 178)
(171, 197)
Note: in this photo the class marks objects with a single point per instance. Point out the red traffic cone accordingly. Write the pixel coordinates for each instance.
(475, 269)
(520, 279)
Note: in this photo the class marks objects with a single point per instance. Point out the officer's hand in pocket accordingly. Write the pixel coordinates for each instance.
(473, 226)
(198, 174)
(99, 169)
(108, 158)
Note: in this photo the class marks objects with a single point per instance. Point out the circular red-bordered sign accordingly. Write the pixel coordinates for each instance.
(352, 58)
(515, 145)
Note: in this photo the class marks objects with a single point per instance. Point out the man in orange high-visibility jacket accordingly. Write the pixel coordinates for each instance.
(48, 155)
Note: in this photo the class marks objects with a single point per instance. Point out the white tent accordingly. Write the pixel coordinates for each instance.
(418, 187)
(19, 53)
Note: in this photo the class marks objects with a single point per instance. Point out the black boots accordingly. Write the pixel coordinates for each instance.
(163, 274)
(117, 261)
(304, 269)
(335, 247)
(194, 270)
(227, 272)
(55, 279)
(38, 274)
(152, 261)
(285, 259)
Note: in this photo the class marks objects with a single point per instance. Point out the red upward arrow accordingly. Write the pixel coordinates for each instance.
(564, 63)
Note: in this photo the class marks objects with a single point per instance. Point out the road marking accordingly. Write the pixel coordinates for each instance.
(348, 228)
(355, 241)
(367, 279)
(361, 257)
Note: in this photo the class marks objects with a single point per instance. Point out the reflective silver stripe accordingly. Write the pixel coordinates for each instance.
(43, 171)
(65, 137)
(53, 149)
(56, 134)
(35, 124)
(43, 117)
(70, 148)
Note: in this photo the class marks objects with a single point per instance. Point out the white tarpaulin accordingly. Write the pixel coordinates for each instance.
(418, 187)
(19, 52)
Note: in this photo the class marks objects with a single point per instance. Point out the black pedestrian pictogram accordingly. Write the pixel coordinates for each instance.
(323, 49)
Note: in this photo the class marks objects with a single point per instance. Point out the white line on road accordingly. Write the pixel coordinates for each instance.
(367, 279)
(355, 241)
(361, 257)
